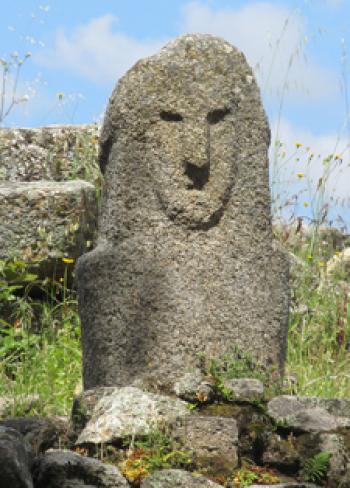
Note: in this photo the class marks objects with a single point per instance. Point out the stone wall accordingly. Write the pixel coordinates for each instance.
(47, 211)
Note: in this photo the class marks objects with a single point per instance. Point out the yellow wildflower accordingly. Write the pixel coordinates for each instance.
(298, 144)
(338, 157)
(322, 264)
(306, 204)
(300, 175)
(60, 95)
(68, 260)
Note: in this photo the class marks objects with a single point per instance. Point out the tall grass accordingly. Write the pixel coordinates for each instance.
(319, 325)
(39, 340)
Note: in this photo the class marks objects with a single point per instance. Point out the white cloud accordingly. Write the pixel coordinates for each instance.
(96, 52)
(334, 3)
(273, 38)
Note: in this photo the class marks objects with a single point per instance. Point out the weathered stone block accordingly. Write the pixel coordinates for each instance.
(176, 478)
(193, 387)
(281, 454)
(315, 419)
(292, 484)
(66, 469)
(124, 412)
(39, 432)
(310, 413)
(16, 458)
(245, 389)
(213, 441)
(54, 153)
(42, 221)
(337, 473)
(185, 264)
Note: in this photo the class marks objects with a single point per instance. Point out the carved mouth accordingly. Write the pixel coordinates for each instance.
(198, 175)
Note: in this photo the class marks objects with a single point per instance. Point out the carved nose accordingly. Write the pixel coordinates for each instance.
(197, 160)
(197, 147)
(198, 176)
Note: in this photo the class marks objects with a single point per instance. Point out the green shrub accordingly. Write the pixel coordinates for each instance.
(315, 469)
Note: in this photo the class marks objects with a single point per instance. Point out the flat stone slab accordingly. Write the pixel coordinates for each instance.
(41, 433)
(176, 478)
(46, 220)
(245, 389)
(66, 469)
(53, 153)
(128, 411)
(315, 419)
(310, 414)
(287, 485)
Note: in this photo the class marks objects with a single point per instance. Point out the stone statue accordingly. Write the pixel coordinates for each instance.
(185, 265)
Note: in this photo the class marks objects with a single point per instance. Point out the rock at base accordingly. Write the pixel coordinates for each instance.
(40, 432)
(176, 478)
(213, 441)
(193, 387)
(297, 484)
(245, 389)
(15, 460)
(66, 469)
(129, 411)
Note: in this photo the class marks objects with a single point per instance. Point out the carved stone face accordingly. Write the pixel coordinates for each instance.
(192, 161)
(180, 124)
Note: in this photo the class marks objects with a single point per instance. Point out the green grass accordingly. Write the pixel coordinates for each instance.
(40, 340)
(319, 332)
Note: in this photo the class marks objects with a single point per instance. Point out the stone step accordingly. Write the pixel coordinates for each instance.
(54, 153)
(46, 221)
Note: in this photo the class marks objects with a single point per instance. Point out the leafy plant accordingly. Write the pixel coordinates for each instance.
(315, 468)
(239, 364)
(156, 451)
(247, 475)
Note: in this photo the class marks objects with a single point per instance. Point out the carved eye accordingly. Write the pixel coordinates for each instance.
(171, 116)
(217, 115)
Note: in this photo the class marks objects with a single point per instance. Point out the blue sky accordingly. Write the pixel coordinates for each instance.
(299, 50)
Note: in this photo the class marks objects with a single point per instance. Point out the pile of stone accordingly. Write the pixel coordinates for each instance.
(220, 435)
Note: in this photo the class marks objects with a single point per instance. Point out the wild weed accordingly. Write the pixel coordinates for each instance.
(39, 339)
